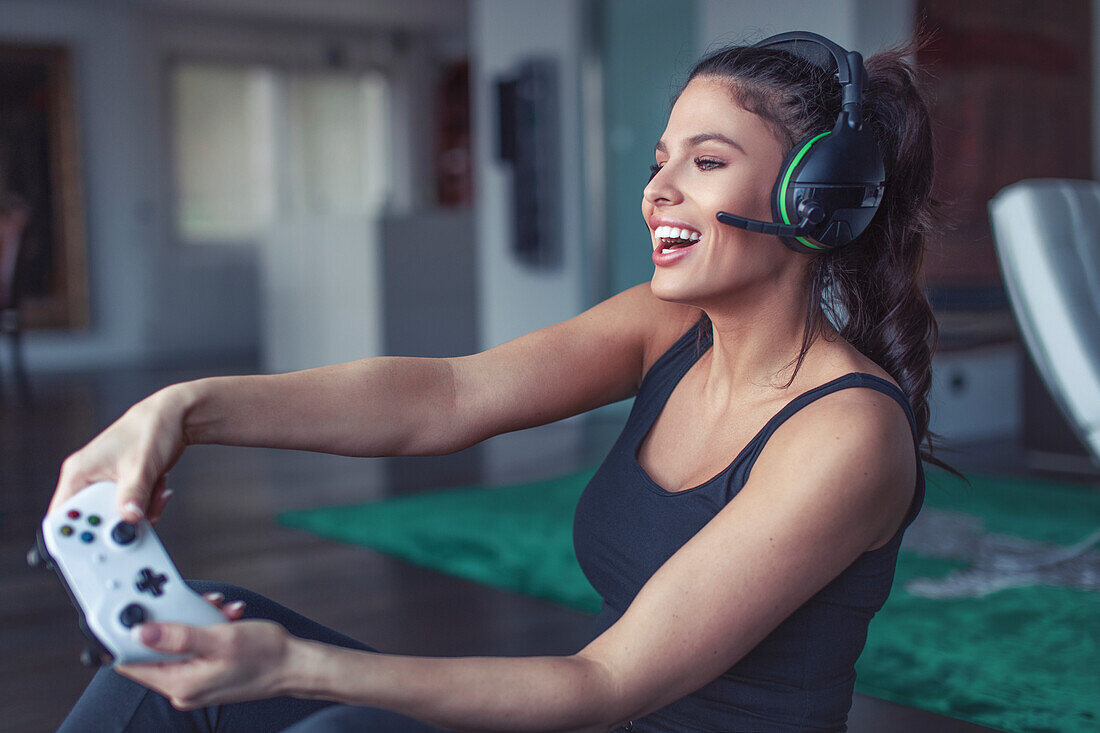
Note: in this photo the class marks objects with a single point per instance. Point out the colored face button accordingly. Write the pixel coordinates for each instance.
(74, 514)
(87, 536)
(66, 530)
(94, 520)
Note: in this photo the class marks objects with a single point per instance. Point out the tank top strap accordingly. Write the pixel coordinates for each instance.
(679, 357)
(661, 378)
(852, 379)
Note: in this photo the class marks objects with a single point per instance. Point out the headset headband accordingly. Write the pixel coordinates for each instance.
(847, 65)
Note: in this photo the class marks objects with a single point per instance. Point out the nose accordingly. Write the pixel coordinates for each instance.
(662, 188)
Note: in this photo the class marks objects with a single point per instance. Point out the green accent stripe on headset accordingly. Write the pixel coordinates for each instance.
(787, 179)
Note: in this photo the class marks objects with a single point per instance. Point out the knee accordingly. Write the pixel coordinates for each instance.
(230, 591)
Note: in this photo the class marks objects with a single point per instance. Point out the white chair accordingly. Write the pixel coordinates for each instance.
(1047, 235)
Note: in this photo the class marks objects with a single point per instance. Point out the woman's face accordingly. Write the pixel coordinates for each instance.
(713, 156)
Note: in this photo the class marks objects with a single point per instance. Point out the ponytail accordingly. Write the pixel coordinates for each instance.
(877, 280)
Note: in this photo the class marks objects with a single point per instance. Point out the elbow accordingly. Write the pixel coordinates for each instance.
(608, 701)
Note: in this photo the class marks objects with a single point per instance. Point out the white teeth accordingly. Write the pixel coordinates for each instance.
(668, 232)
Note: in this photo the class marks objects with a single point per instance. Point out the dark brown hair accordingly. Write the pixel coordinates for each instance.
(870, 288)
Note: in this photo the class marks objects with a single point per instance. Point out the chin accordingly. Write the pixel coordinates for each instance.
(667, 289)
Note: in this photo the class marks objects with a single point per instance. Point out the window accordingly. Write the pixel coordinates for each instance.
(254, 145)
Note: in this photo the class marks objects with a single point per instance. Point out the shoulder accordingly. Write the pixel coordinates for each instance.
(851, 450)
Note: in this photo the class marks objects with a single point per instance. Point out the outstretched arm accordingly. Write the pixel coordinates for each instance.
(383, 406)
(793, 527)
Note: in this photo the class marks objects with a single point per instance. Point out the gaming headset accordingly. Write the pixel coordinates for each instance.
(831, 184)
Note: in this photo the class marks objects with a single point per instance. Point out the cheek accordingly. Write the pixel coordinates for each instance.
(752, 199)
(737, 185)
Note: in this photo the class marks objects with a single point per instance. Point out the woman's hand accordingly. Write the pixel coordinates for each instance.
(136, 452)
(233, 662)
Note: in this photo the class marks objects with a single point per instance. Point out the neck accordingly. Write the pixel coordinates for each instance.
(755, 348)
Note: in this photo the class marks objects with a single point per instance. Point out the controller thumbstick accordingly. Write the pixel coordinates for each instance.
(124, 533)
(132, 615)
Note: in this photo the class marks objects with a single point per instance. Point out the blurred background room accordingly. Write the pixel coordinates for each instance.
(199, 187)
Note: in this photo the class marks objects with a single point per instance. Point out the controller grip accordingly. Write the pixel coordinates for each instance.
(94, 653)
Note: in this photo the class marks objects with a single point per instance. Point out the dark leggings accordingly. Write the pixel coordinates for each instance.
(114, 703)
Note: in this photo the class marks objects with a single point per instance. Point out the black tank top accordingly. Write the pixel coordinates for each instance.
(801, 676)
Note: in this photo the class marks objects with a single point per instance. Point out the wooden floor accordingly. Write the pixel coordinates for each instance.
(220, 526)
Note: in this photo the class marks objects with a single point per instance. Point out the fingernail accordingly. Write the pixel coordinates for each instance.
(145, 634)
(235, 606)
(133, 508)
(216, 597)
(166, 494)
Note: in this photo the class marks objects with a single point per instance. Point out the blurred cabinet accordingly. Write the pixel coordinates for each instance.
(428, 283)
(976, 393)
(1049, 442)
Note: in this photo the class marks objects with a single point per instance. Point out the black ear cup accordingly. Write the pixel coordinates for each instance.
(837, 174)
(831, 183)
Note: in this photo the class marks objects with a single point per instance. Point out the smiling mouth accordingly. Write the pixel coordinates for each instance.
(675, 237)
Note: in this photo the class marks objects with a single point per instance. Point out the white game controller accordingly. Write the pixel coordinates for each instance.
(117, 575)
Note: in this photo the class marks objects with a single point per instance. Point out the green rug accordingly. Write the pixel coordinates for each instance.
(952, 638)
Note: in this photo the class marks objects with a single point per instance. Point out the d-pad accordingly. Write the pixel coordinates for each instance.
(151, 582)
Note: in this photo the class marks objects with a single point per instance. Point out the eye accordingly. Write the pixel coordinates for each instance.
(654, 170)
(708, 164)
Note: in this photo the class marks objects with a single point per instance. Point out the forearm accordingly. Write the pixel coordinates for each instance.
(464, 694)
(383, 406)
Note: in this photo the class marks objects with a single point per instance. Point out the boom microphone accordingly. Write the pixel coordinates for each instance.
(764, 227)
(812, 214)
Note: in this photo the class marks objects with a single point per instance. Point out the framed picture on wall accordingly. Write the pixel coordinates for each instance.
(43, 273)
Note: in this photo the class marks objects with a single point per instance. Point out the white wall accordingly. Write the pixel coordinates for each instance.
(880, 24)
(722, 22)
(515, 300)
(865, 25)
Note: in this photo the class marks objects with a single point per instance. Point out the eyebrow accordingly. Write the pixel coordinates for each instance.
(702, 138)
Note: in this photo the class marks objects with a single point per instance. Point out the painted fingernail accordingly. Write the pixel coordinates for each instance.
(133, 508)
(235, 606)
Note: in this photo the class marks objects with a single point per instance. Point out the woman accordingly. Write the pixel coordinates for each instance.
(732, 600)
